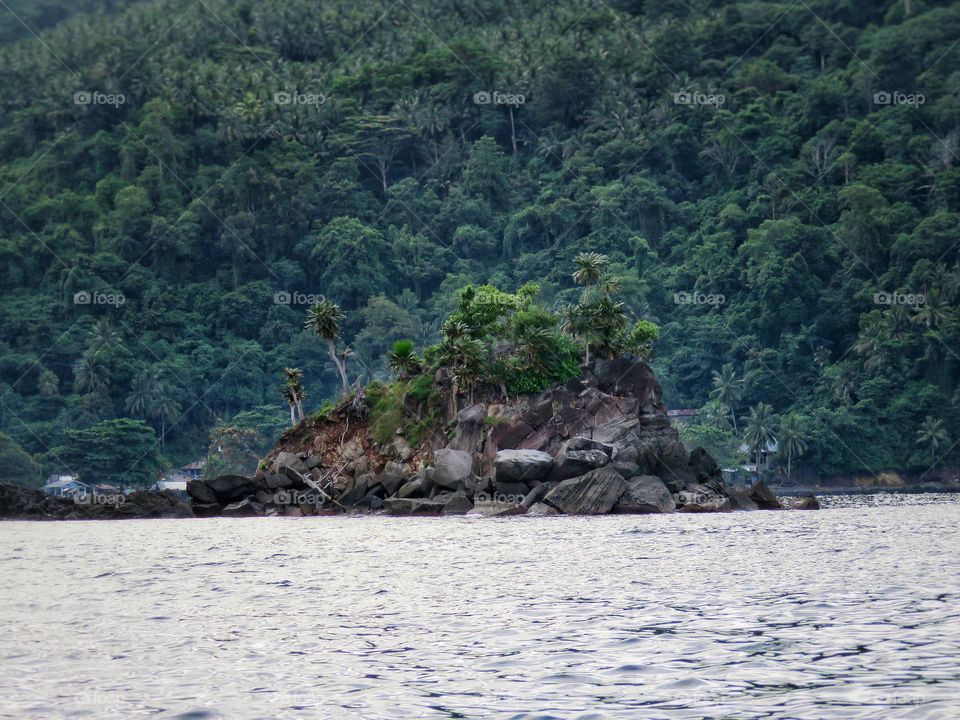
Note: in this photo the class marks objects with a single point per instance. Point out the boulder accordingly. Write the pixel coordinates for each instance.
(229, 488)
(701, 498)
(511, 488)
(806, 503)
(244, 508)
(413, 506)
(470, 429)
(764, 497)
(523, 465)
(626, 468)
(201, 492)
(277, 482)
(594, 493)
(361, 486)
(287, 461)
(645, 494)
(574, 463)
(401, 449)
(427, 486)
(411, 488)
(313, 461)
(452, 469)
(391, 478)
(457, 504)
(537, 494)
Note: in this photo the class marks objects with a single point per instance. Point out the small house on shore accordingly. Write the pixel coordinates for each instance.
(194, 470)
(682, 415)
(66, 486)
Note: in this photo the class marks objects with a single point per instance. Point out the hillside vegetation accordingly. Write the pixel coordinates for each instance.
(776, 185)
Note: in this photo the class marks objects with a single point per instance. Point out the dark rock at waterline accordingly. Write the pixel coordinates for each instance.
(740, 499)
(28, 504)
(206, 509)
(229, 488)
(764, 497)
(702, 498)
(702, 465)
(806, 503)
(645, 494)
(201, 492)
(594, 493)
(457, 504)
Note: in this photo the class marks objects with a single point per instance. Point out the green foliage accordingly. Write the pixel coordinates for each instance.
(119, 452)
(16, 465)
(387, 411)
(200, 200)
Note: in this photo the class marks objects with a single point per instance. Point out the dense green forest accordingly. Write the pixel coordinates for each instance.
(776, 186)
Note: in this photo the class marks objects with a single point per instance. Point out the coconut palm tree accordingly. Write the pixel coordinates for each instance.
(758, 428)
(142, 394)
(728, 390)
(164, 408)
(90, 373)
(590, 268)
(324, 319)
(48, 384)
(402, 359)
(933, 434)
(294, 393)
(792, 442)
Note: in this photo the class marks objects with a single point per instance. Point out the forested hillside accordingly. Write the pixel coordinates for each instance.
(776, 184)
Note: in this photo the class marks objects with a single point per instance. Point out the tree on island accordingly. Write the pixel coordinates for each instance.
(933, 434)
(325, 319)
(792, 442)
(294, 393)
(728, 390)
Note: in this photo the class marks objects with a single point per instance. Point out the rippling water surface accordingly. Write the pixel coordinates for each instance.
(850, 612)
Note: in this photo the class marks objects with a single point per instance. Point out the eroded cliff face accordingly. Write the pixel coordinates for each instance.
(601, 443)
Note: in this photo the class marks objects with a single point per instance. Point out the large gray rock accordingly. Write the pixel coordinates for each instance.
(457, 504)
(201, 492)
(702, 498)
(524, 465)
(702, 465)
(592, 494)
(740, 499)
(358, 491)
(452, 469)
(411, 488)
(764, 497)
(229, 488)
(287, 461)
(537, 494)
(574, 463)
(645, 494)
(470, 428)
(585, 443)
(391, 478)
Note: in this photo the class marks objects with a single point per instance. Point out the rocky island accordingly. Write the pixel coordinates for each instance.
(600, 443)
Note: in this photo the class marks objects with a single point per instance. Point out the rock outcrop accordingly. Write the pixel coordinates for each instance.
(600, 443)
(20, 503)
